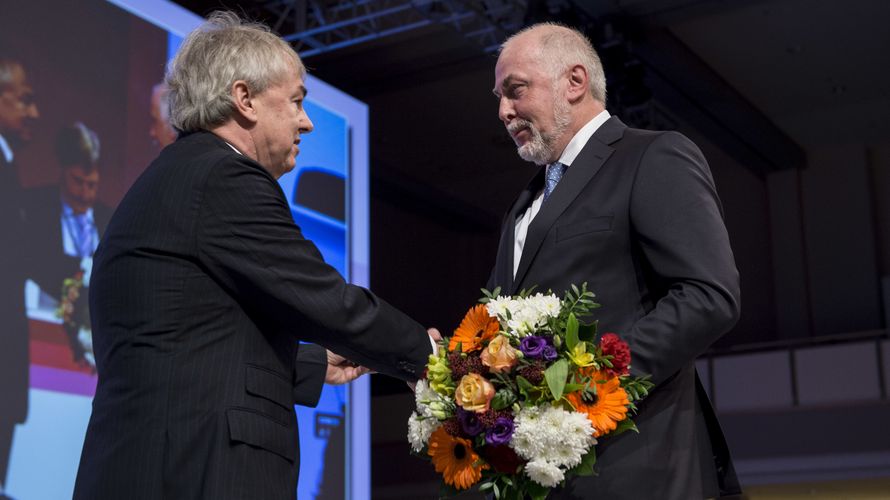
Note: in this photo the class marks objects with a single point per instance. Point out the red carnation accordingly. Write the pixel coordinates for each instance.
(502, 458)
(612, 345)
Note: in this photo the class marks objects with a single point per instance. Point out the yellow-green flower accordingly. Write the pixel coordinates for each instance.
(580, 356)
(439, 374)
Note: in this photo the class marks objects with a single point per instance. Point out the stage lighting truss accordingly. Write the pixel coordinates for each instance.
(318, 26)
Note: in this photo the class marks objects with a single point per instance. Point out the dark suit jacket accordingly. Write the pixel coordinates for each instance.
(48, 265)
(637, 217)
(201, 287)
(13, 324)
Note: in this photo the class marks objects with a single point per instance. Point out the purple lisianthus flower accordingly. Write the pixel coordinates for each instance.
(500, 432)
(549, 353)
(532, 346)
(469, 422)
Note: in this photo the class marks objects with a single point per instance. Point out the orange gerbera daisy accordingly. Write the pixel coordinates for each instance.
(455, 459)
(608, 407)
(476, 327)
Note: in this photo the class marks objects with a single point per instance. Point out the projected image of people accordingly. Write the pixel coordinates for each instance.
(17, 113)
(161, 132)
(65, 222)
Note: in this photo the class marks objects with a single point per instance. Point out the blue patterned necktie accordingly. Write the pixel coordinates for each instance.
(552, 177)
(84, 237)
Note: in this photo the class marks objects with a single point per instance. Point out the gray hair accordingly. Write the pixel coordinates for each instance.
(212, 58)
(561, 47)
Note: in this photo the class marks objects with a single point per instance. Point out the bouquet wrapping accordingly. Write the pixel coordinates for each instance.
(516, 399)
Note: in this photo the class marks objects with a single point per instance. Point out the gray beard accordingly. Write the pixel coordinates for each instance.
(540, 148)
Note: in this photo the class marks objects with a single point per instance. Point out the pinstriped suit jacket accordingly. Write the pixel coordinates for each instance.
(201, 287)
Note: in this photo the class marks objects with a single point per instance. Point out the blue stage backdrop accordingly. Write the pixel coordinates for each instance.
(96, 62)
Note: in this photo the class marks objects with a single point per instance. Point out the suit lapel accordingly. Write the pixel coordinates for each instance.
(504, 264)
(583, 169)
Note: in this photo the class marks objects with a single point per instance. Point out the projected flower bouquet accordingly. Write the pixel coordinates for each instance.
(75, 315)
(516, 399)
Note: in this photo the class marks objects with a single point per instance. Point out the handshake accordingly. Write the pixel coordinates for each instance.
(342, 371)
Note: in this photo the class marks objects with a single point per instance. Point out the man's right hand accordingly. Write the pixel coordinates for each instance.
(435, 337)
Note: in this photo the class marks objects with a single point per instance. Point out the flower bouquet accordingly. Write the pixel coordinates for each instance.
(516, 399)
(75, 315)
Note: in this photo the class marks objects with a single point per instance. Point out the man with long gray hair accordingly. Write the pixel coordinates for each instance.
(202, 286)
(635, 215)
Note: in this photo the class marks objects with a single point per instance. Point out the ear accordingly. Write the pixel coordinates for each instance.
(579, 83)
(244, 100)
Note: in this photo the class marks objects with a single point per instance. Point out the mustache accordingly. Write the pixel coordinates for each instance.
(517, 125)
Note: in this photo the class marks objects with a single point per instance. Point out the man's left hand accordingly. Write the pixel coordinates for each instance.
(341, 370)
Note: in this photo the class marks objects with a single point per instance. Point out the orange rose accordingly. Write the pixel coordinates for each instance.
(474, 393)
(499, 355)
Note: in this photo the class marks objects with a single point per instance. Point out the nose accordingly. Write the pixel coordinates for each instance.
(306, 125)
(505, 110)
(32, 111)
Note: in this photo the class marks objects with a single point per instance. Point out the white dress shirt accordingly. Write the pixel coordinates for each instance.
(569, 154)
(70, 237)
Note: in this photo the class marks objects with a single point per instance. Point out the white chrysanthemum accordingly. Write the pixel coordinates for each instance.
(530, 315)
(423, 393)
(419, 430)
(553, 435)
(430, 403)
(544, 473)
(498, 307)
(548, 306)
(523, 317)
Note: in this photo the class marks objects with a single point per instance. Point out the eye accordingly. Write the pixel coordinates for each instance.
(515, 90)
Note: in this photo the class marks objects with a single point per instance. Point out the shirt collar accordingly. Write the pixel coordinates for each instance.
(7, 151)
(233, 147)
(67, 211)
(573, 149)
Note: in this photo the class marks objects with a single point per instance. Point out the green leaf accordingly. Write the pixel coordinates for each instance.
(524, 383)
(571, 331)
(623, 426)
(497, 491)
(485, 486)
(536, 491)
(447, 490)
(503, 399)
(587, 332)
(555, 375)
(569, 388)
(585, 468)
(525, 387)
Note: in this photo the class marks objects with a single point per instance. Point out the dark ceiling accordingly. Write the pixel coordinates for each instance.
(762, 79)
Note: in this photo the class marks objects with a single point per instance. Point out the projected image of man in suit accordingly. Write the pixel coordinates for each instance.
(203, 285)
(65, 222)
(18, 111)
(635, 215)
